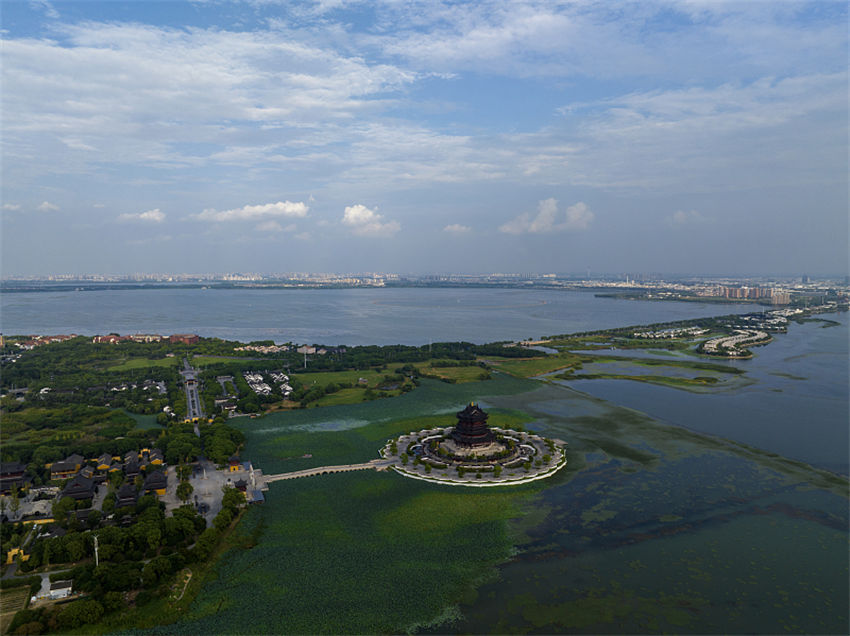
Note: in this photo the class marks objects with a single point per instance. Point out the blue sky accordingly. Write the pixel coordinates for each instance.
(687, 136)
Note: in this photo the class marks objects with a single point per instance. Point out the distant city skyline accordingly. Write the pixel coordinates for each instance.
(696, 138)
(381, 278)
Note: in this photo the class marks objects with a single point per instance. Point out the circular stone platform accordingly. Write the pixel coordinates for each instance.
(514, 457)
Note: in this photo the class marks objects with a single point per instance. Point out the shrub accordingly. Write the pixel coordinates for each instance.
(80, 613)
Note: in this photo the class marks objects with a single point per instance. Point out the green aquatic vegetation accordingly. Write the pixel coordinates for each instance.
(671, 381)
(790, 376)
(381, 553)
(622, 451)
(600, 610)
(682, 364)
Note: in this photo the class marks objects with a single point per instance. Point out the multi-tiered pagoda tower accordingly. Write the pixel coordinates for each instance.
(472, 428)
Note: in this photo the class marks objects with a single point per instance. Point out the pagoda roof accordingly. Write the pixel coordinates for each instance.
(79, 488)
(156, 481)
(472, 411)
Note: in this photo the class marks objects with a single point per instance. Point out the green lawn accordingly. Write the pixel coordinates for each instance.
(143, 363)
(337, 377)
(206, 361)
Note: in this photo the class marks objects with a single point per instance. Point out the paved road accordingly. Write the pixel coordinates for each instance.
(193, 401)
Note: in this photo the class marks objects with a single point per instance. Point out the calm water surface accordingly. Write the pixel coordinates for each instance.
(338, 316)
(798, 405)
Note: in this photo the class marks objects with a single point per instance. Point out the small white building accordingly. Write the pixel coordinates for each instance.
(60, 589)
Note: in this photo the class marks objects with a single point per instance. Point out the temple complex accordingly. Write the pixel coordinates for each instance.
(471, 453)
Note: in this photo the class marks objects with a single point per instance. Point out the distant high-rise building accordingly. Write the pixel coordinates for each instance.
(805, 279)
(779, 297)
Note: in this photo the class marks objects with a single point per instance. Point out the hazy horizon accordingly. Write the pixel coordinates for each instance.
(353, 136)
(633, 276)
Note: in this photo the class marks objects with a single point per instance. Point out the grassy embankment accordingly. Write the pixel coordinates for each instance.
(570, 363)
(531, 367)
(674, 381)
(678, 383)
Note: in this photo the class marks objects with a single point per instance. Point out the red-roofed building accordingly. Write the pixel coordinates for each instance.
(185, 338)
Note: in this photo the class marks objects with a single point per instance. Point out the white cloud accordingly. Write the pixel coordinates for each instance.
(457, 228)
(575, 217)
(366, 222)
(151, 216)
(687, 217)
(274, 226)
(46, 206)
(12, 207)
(140, 91)
(286, 209)
(45, 6)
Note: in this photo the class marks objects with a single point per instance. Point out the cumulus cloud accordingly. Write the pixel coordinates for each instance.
(366, 222)
(12, 207)
(457, 228)
(689, 217)
(47, 206)
(281, 209)
(547, 219)
(151, 216)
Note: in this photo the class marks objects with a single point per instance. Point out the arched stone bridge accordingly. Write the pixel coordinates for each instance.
(375, 464)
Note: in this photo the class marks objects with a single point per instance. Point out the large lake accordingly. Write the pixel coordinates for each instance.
(338, 316)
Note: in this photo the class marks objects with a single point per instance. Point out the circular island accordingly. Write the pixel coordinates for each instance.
(472, 453)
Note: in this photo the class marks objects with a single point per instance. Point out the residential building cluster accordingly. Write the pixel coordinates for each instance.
(257, 383)
(283, 380)
(182, 338)
(320, 351)
(671, 333)
(729, 345)
(38, 341)
(265, 348)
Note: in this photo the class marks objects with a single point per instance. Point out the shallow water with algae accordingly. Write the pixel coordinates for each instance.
(652, 527)
(669, 530)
